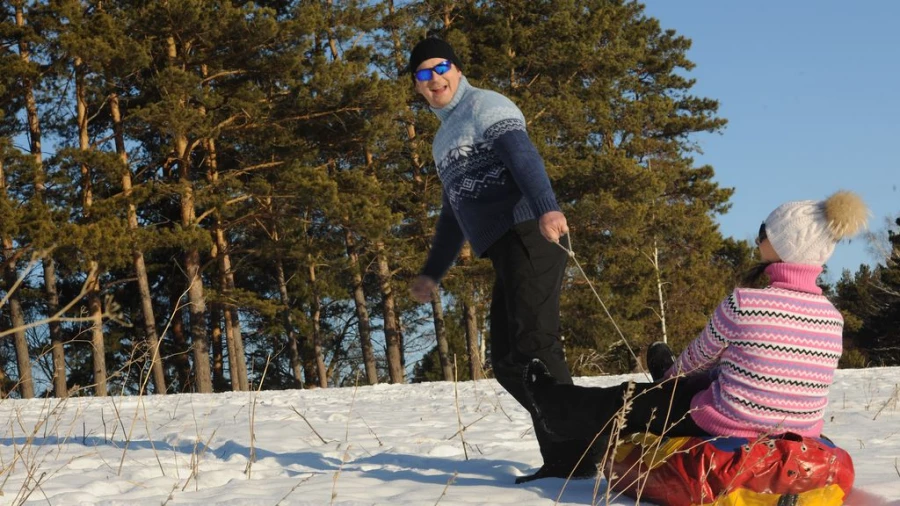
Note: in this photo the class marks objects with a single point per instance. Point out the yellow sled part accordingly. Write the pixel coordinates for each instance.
(832, 495)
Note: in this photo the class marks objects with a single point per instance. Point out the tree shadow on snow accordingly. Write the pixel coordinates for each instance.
(385, 466)
(425, 469)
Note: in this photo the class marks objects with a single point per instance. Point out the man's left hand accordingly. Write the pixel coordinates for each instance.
(553, 225)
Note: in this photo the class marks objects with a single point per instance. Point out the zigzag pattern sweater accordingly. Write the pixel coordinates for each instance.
(492, 175)
(772, 353)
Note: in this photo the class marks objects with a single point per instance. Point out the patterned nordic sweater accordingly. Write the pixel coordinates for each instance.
(492, 175)
(772, 353)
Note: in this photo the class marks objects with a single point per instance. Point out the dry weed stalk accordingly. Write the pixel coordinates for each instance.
(350, 410)
(618, 426)
(891, 401)
(254, 396)
(337, 474)
(462, 428)
(295, 487)
(447, 487)
(196, 453)
(141, 406)
(372, 432)
(498, 406)
(29, 451)
(324, 442)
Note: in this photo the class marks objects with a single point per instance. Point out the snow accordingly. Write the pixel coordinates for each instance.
(387, 444)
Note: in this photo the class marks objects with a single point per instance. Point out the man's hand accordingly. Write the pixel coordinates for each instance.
(421, 288)
(553, 225)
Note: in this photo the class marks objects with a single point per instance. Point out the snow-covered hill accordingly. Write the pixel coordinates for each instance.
(368, 445)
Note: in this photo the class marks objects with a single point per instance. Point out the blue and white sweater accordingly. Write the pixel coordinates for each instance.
(493, 176)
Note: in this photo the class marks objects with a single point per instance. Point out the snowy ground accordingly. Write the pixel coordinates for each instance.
(372, 445)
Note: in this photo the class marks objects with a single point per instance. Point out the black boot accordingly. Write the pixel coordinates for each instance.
(568, 412)
(564, 457)
(659, 360)
(539, 387)
(587, 469)
(574, 459)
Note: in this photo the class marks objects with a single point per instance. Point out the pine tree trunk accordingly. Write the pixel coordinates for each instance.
(470, 319)
(362, 312)
(236, 360)
(316, 313)
(95, 309)
(440, 333)
(392, 336)
(310, 368)
(16, 315)
(233, 366)
(196, 297)
(4, 379)
(288, 321)
(218, 353)
(17, 319)
(199, 337)
(56, 343)
(197, 307)
(222, 311)
(391, 332)
(92, 284)
(49, 267)
(137, 255)
(176, 329)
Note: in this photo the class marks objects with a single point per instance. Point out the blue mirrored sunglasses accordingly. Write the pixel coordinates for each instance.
(439, 69)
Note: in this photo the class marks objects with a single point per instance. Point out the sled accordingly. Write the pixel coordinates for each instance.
(785, 470)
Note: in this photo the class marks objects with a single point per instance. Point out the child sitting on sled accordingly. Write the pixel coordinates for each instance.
(762, 365)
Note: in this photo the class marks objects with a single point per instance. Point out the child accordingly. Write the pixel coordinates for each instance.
(764, 362)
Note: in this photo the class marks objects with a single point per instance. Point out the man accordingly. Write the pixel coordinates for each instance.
(497, 196)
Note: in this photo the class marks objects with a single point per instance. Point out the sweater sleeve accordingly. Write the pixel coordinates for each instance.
(703, 353)
(448, 240)
(526, 166)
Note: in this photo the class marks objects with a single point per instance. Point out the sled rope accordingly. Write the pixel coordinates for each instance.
(571, 252)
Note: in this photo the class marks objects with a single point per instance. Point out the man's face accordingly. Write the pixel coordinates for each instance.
(439, 89)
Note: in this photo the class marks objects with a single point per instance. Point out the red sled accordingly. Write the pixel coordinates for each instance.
(785, 470)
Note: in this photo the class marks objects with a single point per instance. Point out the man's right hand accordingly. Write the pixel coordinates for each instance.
(422, 288)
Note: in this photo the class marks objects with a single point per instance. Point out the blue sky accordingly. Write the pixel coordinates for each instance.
(810, 91)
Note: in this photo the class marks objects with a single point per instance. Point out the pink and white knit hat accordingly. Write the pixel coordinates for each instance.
(806, 231)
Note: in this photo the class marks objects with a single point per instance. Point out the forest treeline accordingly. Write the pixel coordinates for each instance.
(203, 195)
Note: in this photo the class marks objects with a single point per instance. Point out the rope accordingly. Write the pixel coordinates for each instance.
(571, 252)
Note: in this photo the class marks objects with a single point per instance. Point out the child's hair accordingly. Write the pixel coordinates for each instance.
(754, 277)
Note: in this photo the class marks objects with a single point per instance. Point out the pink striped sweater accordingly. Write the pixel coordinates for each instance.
(772, 353)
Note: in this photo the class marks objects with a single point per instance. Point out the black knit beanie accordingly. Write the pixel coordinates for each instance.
(428, 48)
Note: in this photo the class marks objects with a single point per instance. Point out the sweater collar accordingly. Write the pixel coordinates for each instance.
(797, 277)
(444, 112)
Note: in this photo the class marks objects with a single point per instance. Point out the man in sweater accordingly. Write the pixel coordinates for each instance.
(497, 196)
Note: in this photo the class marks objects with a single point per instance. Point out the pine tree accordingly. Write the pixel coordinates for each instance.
(869, 301)
(28, 75)
(887, 325)
(9, 217)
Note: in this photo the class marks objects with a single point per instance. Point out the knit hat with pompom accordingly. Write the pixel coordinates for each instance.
(806, 231)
